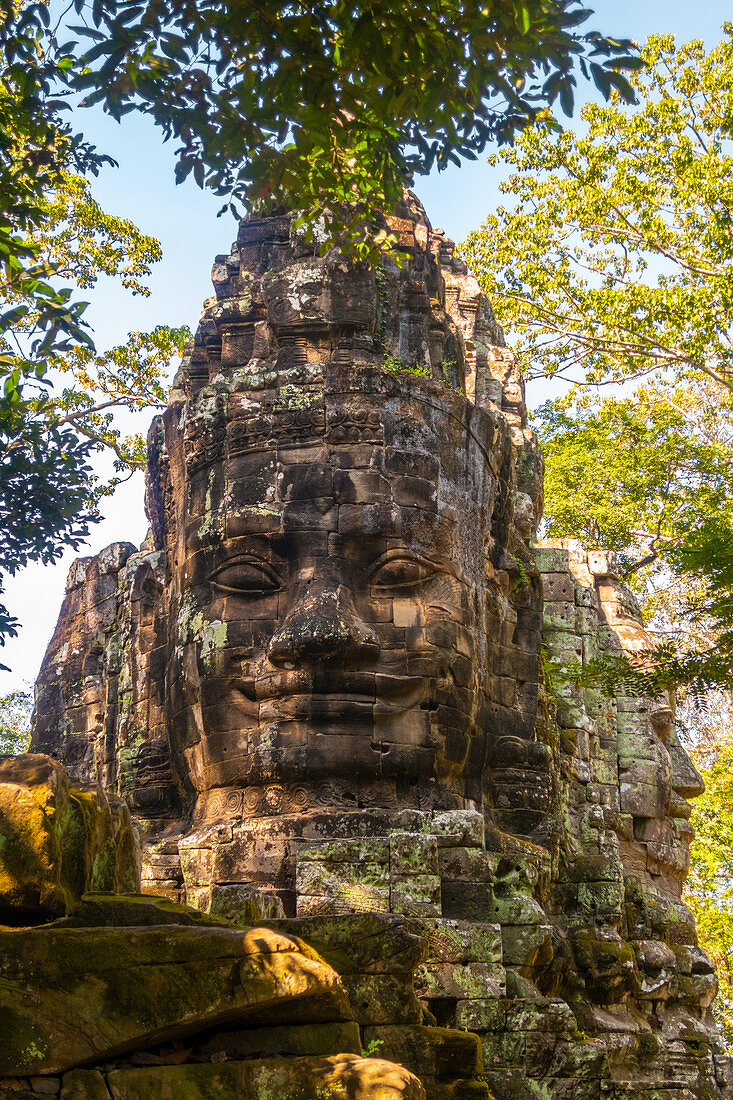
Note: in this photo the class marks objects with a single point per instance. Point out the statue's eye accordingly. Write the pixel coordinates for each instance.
(399, 571)
(246, 576)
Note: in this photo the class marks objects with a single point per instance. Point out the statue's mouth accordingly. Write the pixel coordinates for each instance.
(309, 694)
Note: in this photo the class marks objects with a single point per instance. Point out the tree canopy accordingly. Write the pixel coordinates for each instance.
(321, 104)
(15, 722)
(709, 889)
(614, 262)
(613, 269)
(62, 395)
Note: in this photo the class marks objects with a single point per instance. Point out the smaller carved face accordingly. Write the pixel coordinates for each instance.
(657, 778)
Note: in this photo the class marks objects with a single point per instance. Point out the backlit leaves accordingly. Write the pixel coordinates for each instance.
(320, 104)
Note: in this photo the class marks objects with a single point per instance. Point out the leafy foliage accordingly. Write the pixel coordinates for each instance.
(15, 722)
(615, 261)
(614, 268)
(35, 146)
(635, 474)
(48, 493)
(709, 889)
(324, 104)
(81, 241)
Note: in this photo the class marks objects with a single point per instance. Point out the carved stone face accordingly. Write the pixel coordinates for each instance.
(332, 642)
(657, 778)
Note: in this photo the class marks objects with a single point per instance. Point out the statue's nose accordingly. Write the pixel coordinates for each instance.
(323, 626)
(686, 779)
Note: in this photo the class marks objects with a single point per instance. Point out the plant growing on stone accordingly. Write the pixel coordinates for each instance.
(393, 365)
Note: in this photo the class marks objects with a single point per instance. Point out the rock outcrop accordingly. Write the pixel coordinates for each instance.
(319, 688)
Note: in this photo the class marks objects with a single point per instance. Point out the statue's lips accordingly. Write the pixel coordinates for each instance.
(312, 694)
(679, 807)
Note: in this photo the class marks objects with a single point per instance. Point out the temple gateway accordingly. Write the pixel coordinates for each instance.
(312, 819)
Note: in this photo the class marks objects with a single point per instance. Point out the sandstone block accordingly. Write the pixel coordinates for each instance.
(415, 895)
(518, 909)
(305, 1039)
(244, 904)
(559, 616)
(364, 943)
(551, 559)
(84, 1084)
(558, 587)
(382, 998)
(481, 1015)
(458, 827)
(472, 981)
(457, 1089)
(460, 941)
(429, 1051)
(467, 900)
(45, 1086)
(527, 946)
(471, 864)
(132, 910)
(347, 850)
(413, 854)
(342, 1077)
(363, 886)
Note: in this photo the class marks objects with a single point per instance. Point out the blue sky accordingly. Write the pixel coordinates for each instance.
(184, 220)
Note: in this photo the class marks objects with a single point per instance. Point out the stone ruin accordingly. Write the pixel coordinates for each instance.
(319, 689)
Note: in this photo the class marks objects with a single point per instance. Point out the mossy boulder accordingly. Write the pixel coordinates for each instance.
(57, 843)
(70, 996)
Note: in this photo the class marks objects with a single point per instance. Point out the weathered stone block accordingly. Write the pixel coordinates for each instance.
(363, 886)
(455, 828)
(348, 850)
(429, 1051)
(248, 858)
(467, 900)
(481, 1015)
(244, 904)
(551, 559)
(415, 895)
(84, 1084)
(457, 1089)
(517, 909)
(366, 943)
(413, 854)
(471, 864)
(558, 587)
(527, 946)
(460, 941)
(196, 865)
(337, 1078)
(382, 998)
(304, 1039)
(559, 617)
(474, 981)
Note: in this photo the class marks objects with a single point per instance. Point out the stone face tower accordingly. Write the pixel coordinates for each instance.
(318, 685)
